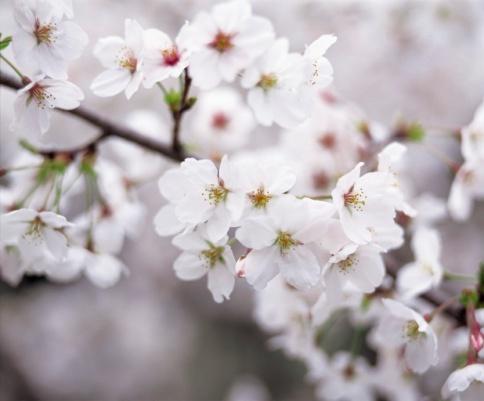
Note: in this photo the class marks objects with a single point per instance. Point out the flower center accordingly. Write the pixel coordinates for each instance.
(411, 330)
(212, 255)
(259, 198)
(171, 56)
(222, 42)
(216, 194)
(34, 233)
(220, 121)
(285, 241)
(346, 265)
(41, 96)
(128, 60)
(327, 140)
(44, 33)
(349, 372)
(354, 200)
(267, 81)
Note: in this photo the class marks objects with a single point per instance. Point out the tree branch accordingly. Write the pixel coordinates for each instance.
(108, 127)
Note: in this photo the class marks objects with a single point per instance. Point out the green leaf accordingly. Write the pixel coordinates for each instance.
(173, 98)
(4, 42)
(28, 146)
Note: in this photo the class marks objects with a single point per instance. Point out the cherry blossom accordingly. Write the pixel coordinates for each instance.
(198, 193)
(365, 208)
(465, 384)
(322, 71)
(225, 41)
(164, 58)
(35, 233)
(123, 59)
(35, 101)
(222, 123)
(44, 41)
(202, 257)
(285, 241)
(275, 82)
(405, 327)
(426, 272)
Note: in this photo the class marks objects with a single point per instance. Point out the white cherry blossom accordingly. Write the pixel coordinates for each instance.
(203, 257)
(36, 100)
(225, 41)
(322, 71)
(44, 41)
(35, 233)
(198, 193)
(285, 241)
(405, 327)
(222, 123)
(275, 82)
(164, 58)
(366, 208)
(426, 272)
(465, 384)
(123, 59)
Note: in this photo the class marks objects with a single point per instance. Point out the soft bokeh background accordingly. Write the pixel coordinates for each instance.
(154, 338)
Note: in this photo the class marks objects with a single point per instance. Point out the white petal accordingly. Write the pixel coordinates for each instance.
(189, 266)
(260, 267)
(220, 282)
(166, 223)
(255, 233)
(111, 82)
(56, 243)
(300, 267)
(107, 51)
(104, 270)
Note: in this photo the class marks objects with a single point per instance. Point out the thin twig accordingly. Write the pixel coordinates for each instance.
(108, 128)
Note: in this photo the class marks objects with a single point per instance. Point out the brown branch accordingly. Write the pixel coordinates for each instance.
(109, 128)
(178, 112)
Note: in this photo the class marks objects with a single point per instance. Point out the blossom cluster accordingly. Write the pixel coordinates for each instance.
(310, 223)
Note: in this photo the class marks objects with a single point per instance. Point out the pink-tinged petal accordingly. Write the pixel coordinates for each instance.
(220, 282)
(229, 16)
(107, 51)
(56, 243)
(256, 233)
(204, 68)
(344, 184)
(421, 353)
(260, 267)
(133, 34)
(189, 266)
(111, 82)
(66, 95)
(54, 220)
(259, 103)
(300, 267)
(166, 222)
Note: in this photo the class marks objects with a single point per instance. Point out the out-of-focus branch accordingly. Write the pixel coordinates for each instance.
(108, 128)
(433, 297)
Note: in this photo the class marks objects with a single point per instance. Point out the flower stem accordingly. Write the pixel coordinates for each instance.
(163, 89)
(458, 277)
(12, 66)
(443, 306)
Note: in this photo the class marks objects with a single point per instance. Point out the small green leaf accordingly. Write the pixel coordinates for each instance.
(172, 98)
(28, 146)
(468, 296)
(4, 42)
(191, 102)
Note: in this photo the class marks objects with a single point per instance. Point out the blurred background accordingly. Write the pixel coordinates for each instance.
(152, 337)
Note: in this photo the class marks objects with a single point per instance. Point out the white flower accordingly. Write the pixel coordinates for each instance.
(360, 266)
(473, 137)
(35, 233)
(466, 384)
(226, 41)
(262, 180)
(404, 326)
(346, 379)
(426, 272)
(198, 193)
(285, 241)
(276, 81)
(222, 122)
(322, 71)
(366, 208)
(35, 101)
(163, 58)
(123, 61)
(103, 270)
(203, 257)
(388, 162)
(467, 186)
(43, 40)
